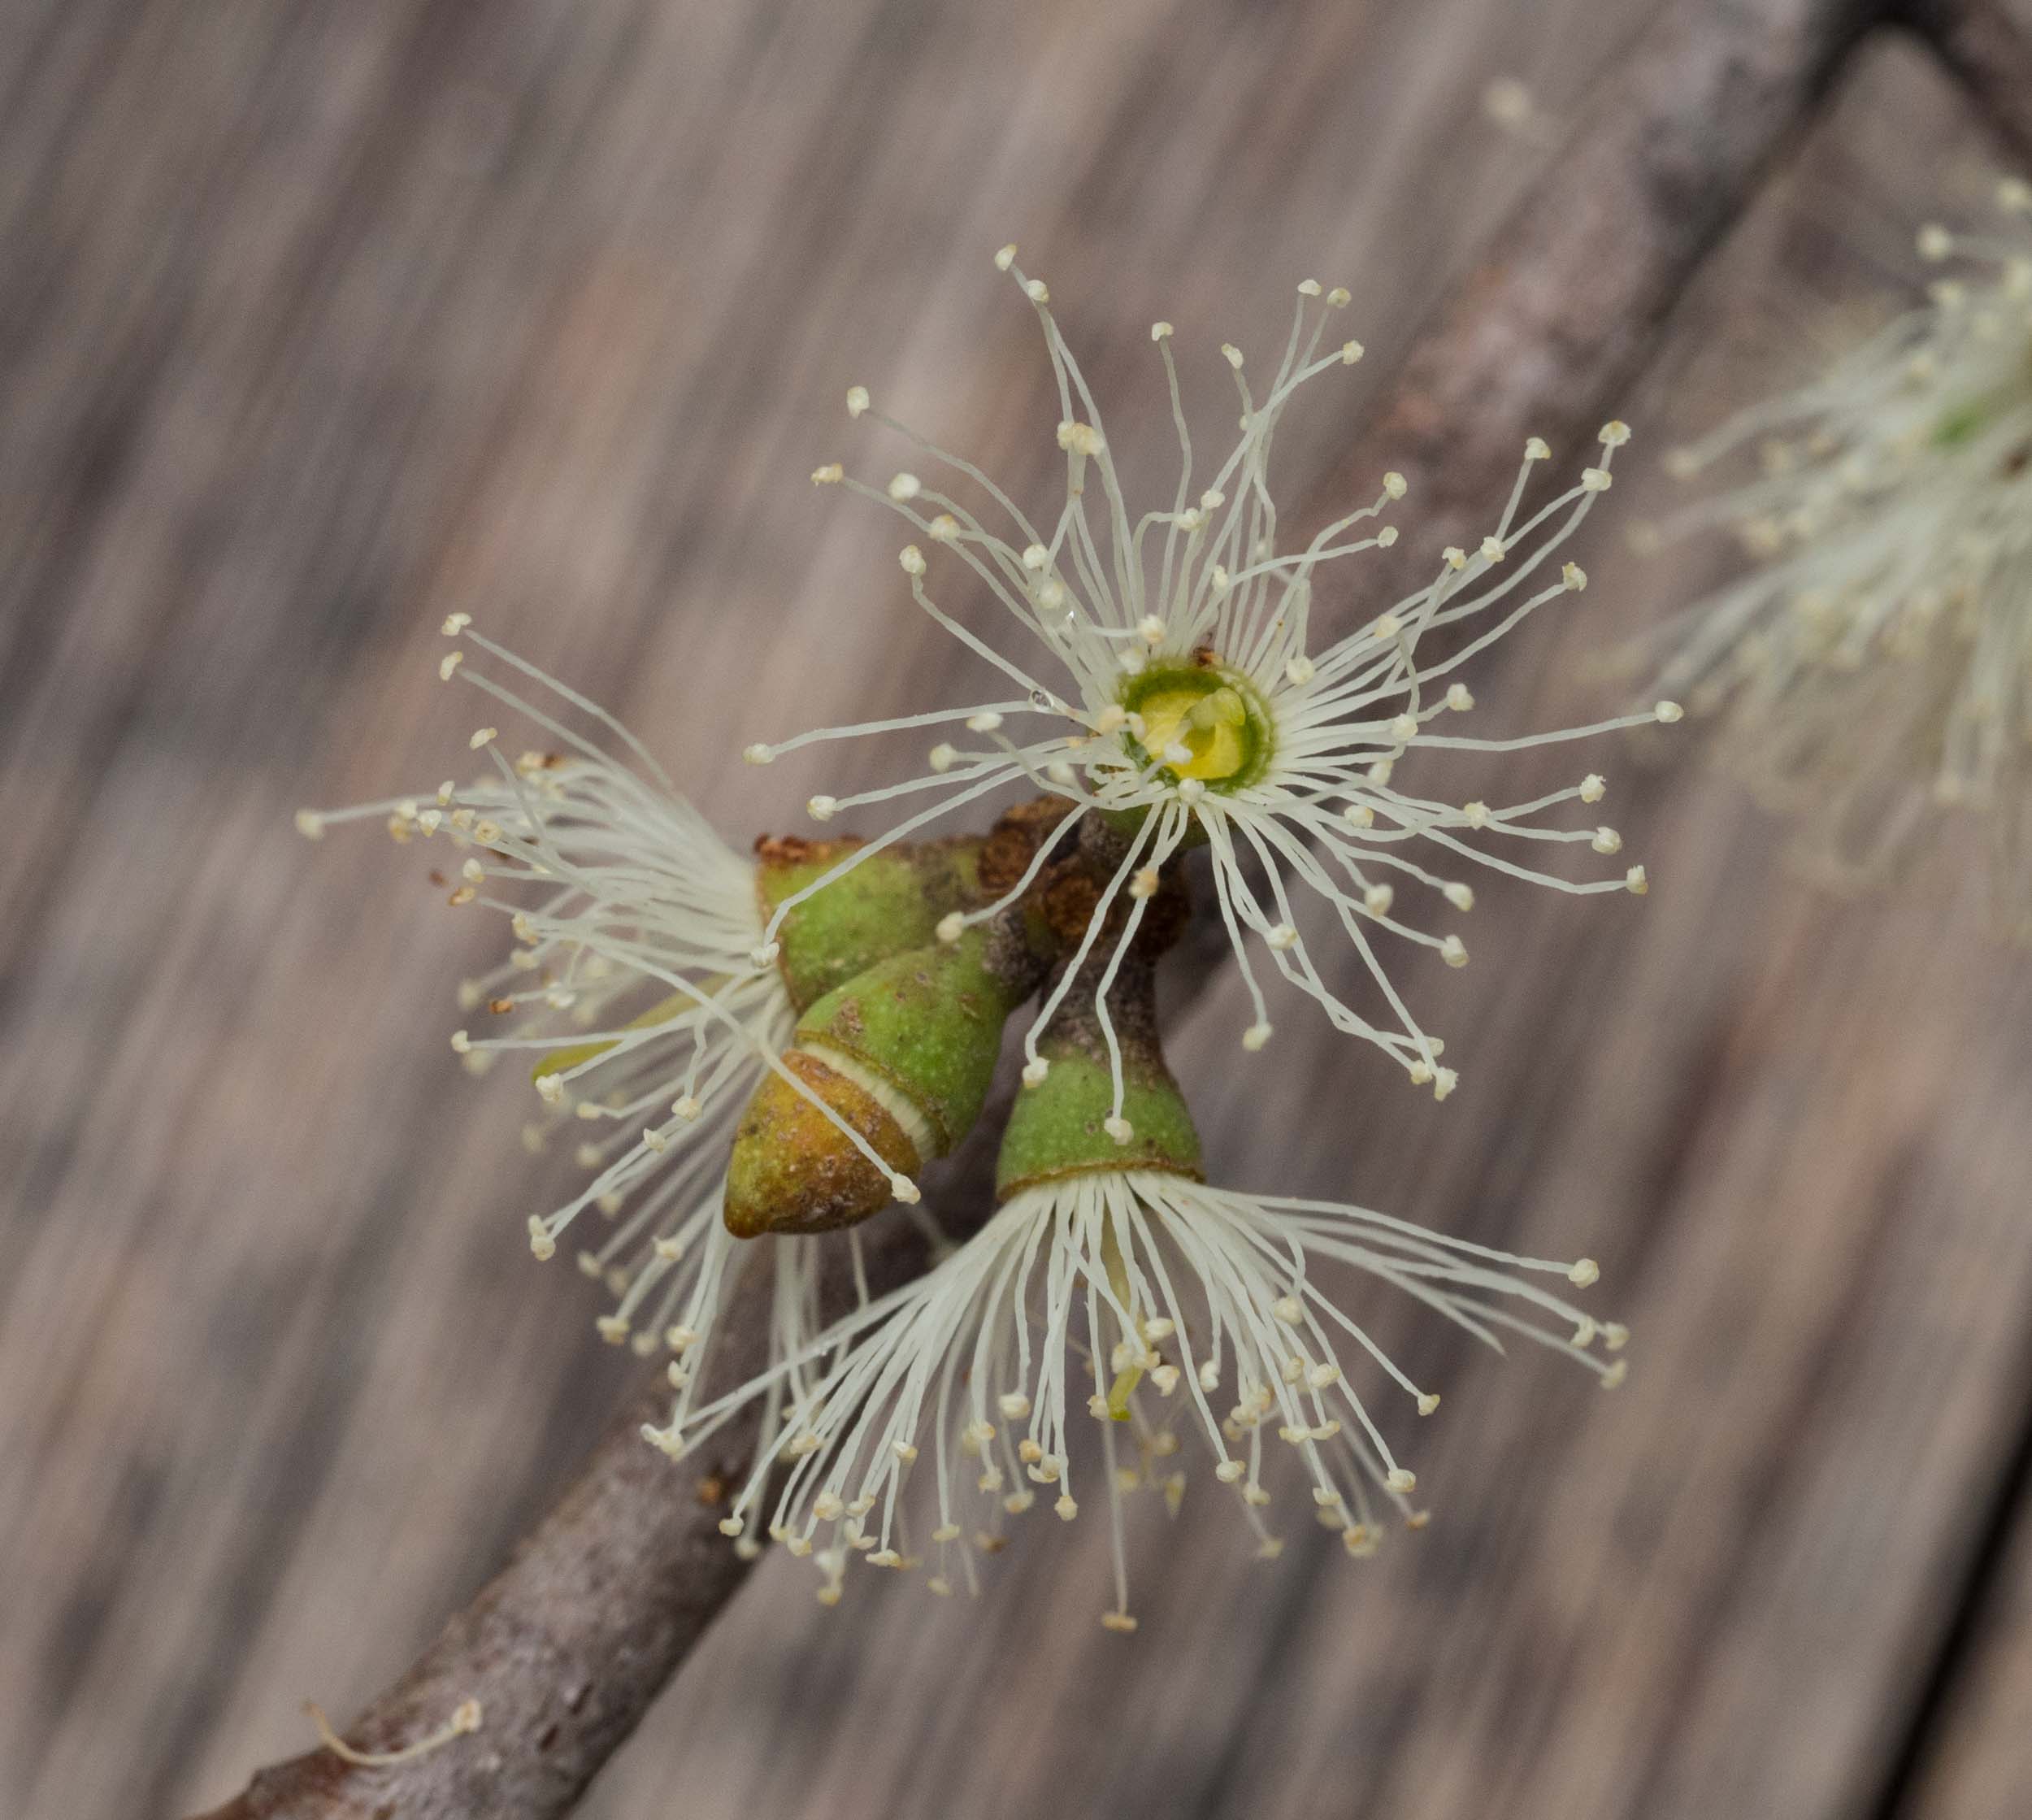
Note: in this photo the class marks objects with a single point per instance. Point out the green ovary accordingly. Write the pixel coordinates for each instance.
(1058, 1128)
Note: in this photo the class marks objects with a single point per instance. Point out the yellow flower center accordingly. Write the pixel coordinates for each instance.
(1208, 715)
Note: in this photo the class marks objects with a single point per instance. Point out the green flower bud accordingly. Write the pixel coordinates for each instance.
(794, 1171)
(890, 902)
(915, 1037)
(928, 1025)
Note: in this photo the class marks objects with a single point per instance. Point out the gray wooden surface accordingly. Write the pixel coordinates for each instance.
(319, 322)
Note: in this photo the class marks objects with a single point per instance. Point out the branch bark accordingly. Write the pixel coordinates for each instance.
(1988, 48)
(1569, 303)
(564, 1649)
(568, 1646)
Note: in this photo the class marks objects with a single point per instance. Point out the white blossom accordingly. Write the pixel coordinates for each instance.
(1165, 664)
(633, 991)
(1140, 1311)
(1875, 663)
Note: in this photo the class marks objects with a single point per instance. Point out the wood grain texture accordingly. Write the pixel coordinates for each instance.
(1971, 1763)
(567, 1647)
(1987, 44)
(322, 321)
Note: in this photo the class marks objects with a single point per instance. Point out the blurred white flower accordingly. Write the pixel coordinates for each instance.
(1875, 664)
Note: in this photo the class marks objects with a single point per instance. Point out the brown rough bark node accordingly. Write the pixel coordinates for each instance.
(567, 1647)
(1988, 47)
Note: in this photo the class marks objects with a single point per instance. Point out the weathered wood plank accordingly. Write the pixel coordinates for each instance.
(1968, 1761)
(1719, 1594)
(563, 1653)
(327, 320)
(323, 320)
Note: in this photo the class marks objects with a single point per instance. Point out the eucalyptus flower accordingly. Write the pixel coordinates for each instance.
(1873, 666)
(632, 993)
(1114, 1297)
(1167, 677)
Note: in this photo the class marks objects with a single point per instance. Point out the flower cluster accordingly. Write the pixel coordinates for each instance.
(1875, 664)
(1168, 670)
(760, 1051)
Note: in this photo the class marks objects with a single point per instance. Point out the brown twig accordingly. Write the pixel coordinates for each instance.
(567, 1647)
(563, 1650)
(1988, 48)
(1562, 313)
